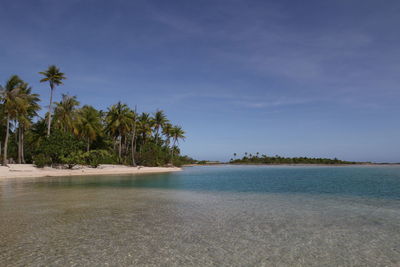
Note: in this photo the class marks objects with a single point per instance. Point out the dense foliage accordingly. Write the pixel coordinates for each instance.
(264, 159)
(71, 134)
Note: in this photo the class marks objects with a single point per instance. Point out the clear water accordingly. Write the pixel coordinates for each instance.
(206, 216)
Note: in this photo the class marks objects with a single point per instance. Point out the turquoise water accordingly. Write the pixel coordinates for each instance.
(205, 216)
(364, 181)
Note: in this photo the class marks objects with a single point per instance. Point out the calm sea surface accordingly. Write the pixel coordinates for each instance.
(205, 216)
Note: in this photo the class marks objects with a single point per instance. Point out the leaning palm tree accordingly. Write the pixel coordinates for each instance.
(176, 133)
(54, 77)
(14, 102)
(166, 130)
(25, 117)
(89, 124)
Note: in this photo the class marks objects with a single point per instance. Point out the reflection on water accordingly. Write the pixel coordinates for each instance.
(183, 219)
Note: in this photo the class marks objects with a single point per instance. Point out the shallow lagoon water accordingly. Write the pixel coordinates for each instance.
(206, 216)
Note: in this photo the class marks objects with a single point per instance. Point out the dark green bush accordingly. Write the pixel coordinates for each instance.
(74, 158)
(41, 160)
(96, 157)
(60, 146)
(154, 155)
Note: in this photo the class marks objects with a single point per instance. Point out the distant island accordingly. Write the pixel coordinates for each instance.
(264, 159)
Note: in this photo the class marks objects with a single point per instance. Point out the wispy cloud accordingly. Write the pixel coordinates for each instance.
(262, 39)
(283, 102)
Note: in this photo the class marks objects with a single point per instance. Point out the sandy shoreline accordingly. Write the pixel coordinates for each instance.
(29, 171)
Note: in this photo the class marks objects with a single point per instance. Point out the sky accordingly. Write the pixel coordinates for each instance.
(293, 78)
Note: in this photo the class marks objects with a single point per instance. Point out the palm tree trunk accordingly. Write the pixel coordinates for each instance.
(19, 145)
(22, 145)
(143, 142)
(16, 136)
(51, 101)
(120, 148)
(133, 145)
(167, 142)
(172, 150)
(156, 136)
(126, 151)
(88, 145)
(5, 160)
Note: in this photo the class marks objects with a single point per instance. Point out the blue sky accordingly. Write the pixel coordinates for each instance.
(294, 78)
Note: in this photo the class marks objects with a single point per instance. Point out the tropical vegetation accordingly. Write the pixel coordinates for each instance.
(70, 133)
(256, 158)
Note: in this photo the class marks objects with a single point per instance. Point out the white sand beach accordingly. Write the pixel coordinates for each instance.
(29, 170)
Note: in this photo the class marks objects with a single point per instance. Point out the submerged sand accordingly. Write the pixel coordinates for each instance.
(28, 170)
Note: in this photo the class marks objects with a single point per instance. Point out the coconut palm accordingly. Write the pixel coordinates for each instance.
(65, 114)
(118, 123)
(54, 77)
(2, 122)
(38, 132)
(133, 137)
(160, 119)
(89, 124)
(177, 133)
(14, 102)
(25, 118)
(145, 123)
(166, 130)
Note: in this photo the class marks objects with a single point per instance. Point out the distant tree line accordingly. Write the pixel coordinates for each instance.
(72, 134)
(256, 158)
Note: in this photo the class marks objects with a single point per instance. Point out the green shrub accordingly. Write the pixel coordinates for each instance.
(96, 157)
(60, 146)
(74, 158)
(41, 160)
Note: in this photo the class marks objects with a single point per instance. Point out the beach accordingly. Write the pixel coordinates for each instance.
(29, 170)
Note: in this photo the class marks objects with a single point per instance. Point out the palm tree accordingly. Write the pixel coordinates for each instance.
(166, 130)
(25, 118)
(145, 126)
(14, 102)
(176, 133)
(89, 124)
(2, 121)
(54, 77)
(65, 115)
(160, 119)
(38, 132)
(133, 137)
(119, 122)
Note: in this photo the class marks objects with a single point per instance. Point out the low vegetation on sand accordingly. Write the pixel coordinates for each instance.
(71, 134)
